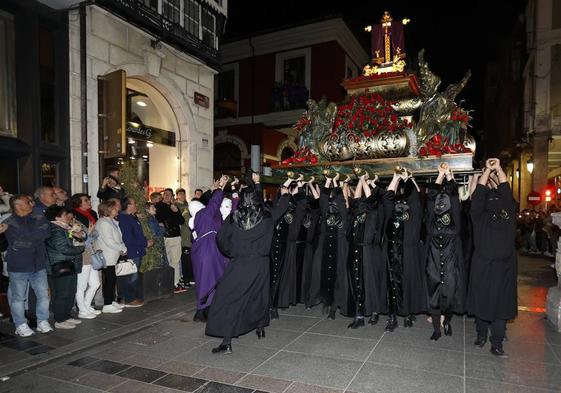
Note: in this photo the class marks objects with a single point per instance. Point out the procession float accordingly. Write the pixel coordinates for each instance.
(390, 118)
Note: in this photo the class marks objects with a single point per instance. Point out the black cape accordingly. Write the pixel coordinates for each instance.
(492, 292)
(403, 251)
(445, 268)
(311, 222)
(241, 301)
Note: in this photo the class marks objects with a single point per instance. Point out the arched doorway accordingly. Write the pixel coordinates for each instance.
(227, 159)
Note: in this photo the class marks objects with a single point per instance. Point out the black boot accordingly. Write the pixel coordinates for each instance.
(481, 341)
(260, 333)
(436, 335)
(331, 314)
(374, 319)
(358, 322)
(205, 314)
(391, 324)
(274, 313)
(408, 321)
(447, 328)
(498, 351)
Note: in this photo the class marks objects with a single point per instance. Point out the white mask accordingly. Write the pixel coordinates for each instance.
(225, 207)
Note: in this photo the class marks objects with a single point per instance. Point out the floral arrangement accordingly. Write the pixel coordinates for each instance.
(437, 146)
(368, 115)
(301, 156)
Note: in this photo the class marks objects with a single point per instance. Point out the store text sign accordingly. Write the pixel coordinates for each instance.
(202, 100)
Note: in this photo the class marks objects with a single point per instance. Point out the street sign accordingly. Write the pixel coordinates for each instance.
(534, 198)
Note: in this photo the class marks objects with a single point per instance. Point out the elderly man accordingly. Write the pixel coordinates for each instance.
(61, 195)
(26, 255)
(44, 197)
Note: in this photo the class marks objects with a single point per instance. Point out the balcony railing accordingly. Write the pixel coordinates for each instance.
(152, 21)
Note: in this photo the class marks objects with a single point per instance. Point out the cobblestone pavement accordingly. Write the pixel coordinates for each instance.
(158, 348)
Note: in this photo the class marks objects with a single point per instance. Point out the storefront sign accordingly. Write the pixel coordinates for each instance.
(202, 100)
(152, 134)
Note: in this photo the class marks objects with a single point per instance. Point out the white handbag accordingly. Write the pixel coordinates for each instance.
(125, 268)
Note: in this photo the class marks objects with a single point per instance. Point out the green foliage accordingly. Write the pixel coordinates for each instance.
(154, 254)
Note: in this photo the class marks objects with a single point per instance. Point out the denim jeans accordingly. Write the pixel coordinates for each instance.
(129, 286)
(17, 294)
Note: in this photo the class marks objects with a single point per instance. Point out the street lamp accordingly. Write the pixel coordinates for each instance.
(530, 165)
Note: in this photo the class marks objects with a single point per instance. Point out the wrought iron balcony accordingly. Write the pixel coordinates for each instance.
(149, 16)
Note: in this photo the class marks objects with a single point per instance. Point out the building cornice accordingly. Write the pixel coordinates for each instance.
(297, 37)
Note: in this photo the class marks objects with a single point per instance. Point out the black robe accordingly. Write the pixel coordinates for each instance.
(366, 261)
(403, 250)
(311, 223)
(289, 281)
(445, 268)
(241, 301)
(329, 284)
(492, 292)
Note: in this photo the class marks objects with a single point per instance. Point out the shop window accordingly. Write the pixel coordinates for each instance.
(7, 76)
(171, 9)
(47, 85)
(191, 19)
(292, 75)
(209, 28)
(49, 172)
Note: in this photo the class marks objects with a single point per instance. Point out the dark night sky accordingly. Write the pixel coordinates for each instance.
(457, 35)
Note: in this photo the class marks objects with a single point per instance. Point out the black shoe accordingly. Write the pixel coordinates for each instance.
(498, 352)
(447, 328)
(408, 321)
(391, 324)
(205, 314)
(481, 341)
(331, 315)
(274, 313)
(435, 336)
(359, 322)
(225, 348)
(374, 319)
(260, 333)
(199, 316)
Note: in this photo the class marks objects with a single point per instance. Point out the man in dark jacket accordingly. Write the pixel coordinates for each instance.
(26, 258)
(111, 186)
(44, 198)
(168, 214)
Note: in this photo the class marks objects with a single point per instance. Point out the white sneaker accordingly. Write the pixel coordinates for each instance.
(111, 309)
(86, 315)
(24, 330)
(73, 321)
(44, 327)
(64, 325)
(93, 311)
(118, 305)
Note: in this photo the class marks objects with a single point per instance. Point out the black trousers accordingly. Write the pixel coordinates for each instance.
(63, 295)
(498, 329)
(187, 265)
(109, 281)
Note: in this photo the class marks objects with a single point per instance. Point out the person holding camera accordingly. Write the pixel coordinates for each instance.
(111, 186)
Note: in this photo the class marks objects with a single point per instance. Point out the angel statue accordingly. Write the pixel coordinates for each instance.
(437, 107)
(316, 123)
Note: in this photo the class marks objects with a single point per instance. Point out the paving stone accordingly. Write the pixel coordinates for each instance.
(138, 387)
(142, 374)
(314, 370)
(275, 338)
(481, 386)
(374, 378)
(63, 372)
(339, 327)
(107, 366)
(219, 375)
(83, 361)
(143, 360)
(39, 350)
(336, 347)
(180, 382)
(215, 387)
(298, 387)
(521, 350)
(99, 380)
(181, 368)
(296, 323)
(20, 344)
(267, 384)
(448, 362)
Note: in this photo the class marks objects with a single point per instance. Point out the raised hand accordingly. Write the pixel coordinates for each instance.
(255, 177)
(312, 179)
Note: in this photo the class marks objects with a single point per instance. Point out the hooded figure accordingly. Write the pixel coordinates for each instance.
(405, 268)
(444, 257)
(208, 262)
(241, 302)
(492, 293)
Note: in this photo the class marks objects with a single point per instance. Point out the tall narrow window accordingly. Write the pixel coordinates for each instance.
(208, 23)
(47, 85)
(171, 9)
(192, 12)
(7, 76)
